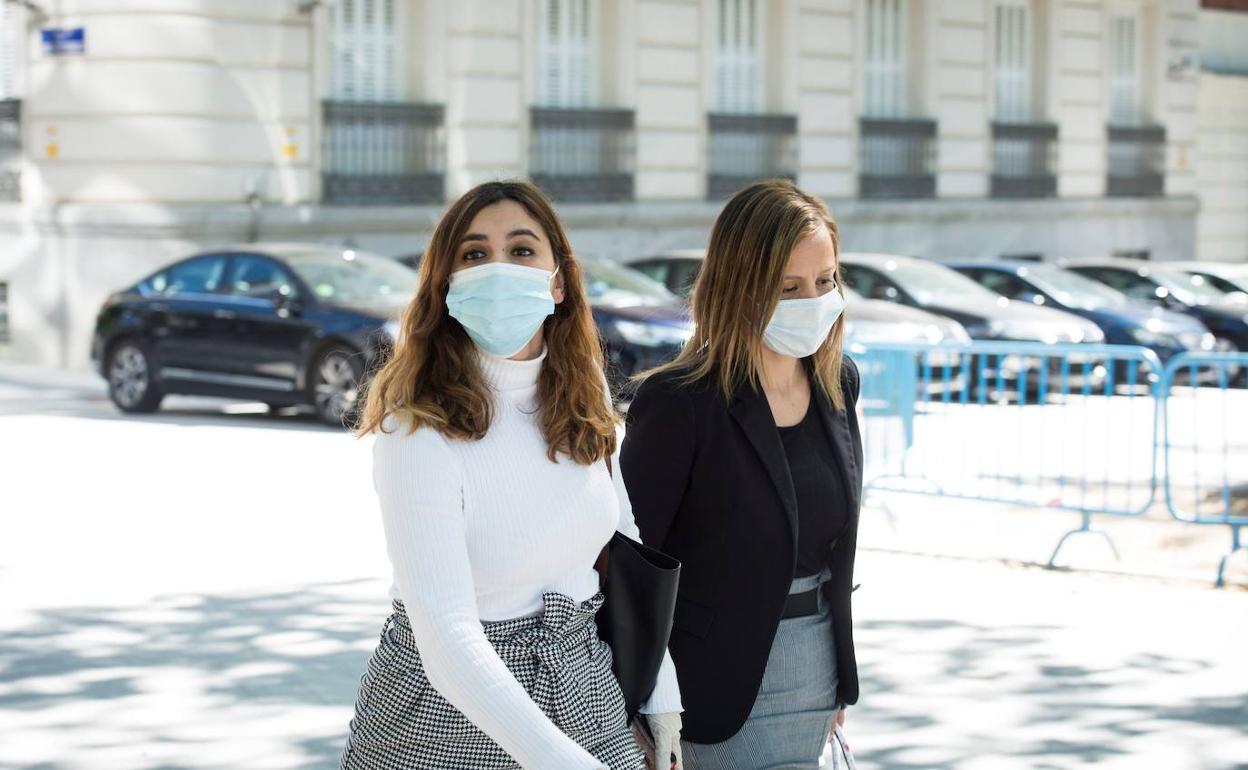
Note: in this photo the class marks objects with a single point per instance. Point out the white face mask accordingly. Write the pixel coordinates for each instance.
(798, 327)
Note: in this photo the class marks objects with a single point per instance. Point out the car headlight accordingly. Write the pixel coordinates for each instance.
(653, 335)
(1208, 341)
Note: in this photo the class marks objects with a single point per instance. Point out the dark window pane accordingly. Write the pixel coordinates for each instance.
(259, 277)
(196, 276)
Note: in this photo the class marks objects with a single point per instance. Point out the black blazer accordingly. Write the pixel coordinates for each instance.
(709, 485)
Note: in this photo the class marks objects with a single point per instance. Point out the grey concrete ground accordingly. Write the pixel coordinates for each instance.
(200, 588)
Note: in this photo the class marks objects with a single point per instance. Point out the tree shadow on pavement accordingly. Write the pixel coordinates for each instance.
(948, 694)
(189, 681)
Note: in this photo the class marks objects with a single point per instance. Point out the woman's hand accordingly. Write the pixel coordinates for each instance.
(839, 721)
(659, 737)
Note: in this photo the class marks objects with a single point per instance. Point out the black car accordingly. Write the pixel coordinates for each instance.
(1122, 321)
(1173, 289)
(286, 324)
(641, 323)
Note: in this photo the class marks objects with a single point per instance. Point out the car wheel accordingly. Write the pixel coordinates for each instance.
(334, 385)
(131, 382)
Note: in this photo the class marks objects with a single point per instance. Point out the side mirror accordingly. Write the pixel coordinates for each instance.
(1031, 297)
(284, 301)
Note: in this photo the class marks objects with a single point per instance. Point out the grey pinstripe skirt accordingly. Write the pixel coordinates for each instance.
(796, 703)
(402, 723)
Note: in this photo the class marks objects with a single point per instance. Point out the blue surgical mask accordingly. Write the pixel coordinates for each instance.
(798, 327)
(501, 305)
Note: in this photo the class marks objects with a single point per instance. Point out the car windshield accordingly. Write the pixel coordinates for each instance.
(1072, 289)
(350, 276)
(932, 284)
(617, 286)
(1189, 289)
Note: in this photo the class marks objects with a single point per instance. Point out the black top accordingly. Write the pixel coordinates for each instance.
(822, 510)
(710, 486)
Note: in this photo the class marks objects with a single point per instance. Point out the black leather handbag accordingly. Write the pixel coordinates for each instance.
(639, 584)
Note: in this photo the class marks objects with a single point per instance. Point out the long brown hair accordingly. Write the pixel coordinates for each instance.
(434, 378)
(739, 286)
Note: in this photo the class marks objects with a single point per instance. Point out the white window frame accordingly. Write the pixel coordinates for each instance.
(366, 54)
(1124, 66)
(885, 58)
(1013, 60)
(739, 37)
(568, 45)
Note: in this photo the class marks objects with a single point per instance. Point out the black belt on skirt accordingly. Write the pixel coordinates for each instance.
(801, 605)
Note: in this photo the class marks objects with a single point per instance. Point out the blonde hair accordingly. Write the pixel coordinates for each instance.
(434, 378)
(739, 286)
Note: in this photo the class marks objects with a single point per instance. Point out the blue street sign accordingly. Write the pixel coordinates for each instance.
(58, 41)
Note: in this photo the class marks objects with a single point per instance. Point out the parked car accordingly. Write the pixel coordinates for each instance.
(985, 315)
(1122, 321)
(1173, 289)
(642, 324)
(286, 324)
(677, 270)
(1229, 278)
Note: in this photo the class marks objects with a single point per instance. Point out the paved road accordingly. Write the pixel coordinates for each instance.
(199, 589)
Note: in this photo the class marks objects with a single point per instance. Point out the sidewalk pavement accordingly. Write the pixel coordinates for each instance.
(199, 591)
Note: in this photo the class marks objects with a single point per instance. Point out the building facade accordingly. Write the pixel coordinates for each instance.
(134, 131)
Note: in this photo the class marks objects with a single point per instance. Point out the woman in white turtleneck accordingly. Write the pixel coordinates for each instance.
(495, 440)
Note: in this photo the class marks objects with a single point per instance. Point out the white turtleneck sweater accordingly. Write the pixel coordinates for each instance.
(477, 531)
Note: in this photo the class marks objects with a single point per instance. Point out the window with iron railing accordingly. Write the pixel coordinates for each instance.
(378, 153)
(583, 155)
(897, 152)
(578, 150)
(1137, 161)
(1136, 150)
(1023, 160)
(897, 158)
(747, 148)
(1023, 150)
(378, 149)
(744, 142)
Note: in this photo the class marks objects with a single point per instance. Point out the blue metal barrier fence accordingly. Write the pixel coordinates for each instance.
(1071, 427)
(1205, 443)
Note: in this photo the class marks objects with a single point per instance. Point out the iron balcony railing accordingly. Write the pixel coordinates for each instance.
(380, 153)
(1023, 160)
(10, 149)
(898, 158)
(1137, 161)
(747, 148)
(583, 155)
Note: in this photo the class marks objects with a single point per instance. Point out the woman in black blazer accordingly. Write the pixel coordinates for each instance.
(743, 460)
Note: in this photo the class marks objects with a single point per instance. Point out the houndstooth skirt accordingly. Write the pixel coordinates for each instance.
(402, 723)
